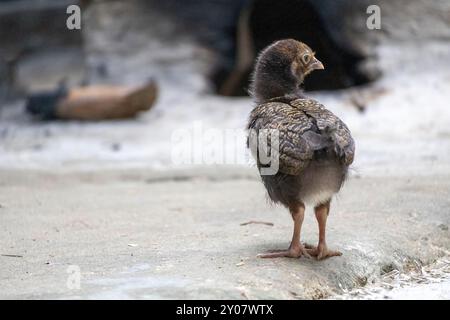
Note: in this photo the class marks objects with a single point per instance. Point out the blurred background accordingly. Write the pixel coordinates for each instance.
(201, 54)
(110, 196)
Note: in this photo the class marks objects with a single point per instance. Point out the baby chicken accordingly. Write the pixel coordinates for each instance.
(315, 148)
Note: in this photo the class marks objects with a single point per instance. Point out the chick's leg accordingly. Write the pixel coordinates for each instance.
(321, 251)
(296, 249)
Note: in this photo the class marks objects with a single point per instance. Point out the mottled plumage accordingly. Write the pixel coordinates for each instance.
(310, 137)
(305, 126)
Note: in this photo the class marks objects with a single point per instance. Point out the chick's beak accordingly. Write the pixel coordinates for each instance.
(316, 65)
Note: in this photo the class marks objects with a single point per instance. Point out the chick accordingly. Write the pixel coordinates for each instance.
(315, 148)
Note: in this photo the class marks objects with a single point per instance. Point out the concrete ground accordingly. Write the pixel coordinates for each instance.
(144, 234)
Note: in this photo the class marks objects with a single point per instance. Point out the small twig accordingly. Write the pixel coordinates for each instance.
(257, 222)
(12, 255)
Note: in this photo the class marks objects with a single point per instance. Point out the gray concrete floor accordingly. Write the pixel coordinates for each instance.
(143, 234)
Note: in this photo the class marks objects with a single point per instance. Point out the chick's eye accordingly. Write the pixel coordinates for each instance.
(306, 58)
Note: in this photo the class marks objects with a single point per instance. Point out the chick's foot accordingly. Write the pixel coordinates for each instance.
(321, 251)
(294, 251)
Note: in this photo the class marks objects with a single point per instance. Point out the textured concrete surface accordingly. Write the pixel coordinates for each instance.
(142, 234)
